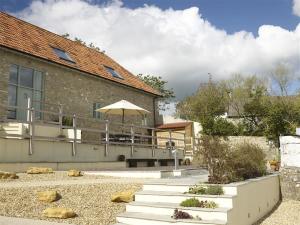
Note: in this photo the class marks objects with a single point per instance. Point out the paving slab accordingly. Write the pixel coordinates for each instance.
(21, 221)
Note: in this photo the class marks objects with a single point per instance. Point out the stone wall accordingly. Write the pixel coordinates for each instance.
(290, 183)
(4, 73)
(76, 91)
(270, 150)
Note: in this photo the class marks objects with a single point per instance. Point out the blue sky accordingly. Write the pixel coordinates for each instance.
(230, 15)
(182, 45)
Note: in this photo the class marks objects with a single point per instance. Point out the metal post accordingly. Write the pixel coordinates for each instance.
(184, 143)
(153, 142)
(175, 158)
(60, 118)
(31, 130)
(106, 137)
(170, 143)
(132, 139)
(28, 109)
(75, 136)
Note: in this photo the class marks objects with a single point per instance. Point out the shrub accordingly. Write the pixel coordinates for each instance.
(216, 155)
(197, 190)
(193, 202)
(229, 164)
(181, 215)
(248, 161)
(210, 190)
(214, 190)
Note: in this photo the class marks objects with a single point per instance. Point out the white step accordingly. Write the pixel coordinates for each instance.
(151, 219)
(225, 201)
(179, 187)
(160, 208)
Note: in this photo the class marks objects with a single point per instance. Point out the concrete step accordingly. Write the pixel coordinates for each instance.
(159, 208)
(152, 219)
(180, 187)
(225, 201)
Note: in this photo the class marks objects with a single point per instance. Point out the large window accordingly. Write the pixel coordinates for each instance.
(24, 83)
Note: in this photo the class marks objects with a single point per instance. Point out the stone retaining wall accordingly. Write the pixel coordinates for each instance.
(290, 183)
(270, 150)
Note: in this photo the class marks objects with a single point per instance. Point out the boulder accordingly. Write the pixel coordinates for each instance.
(8, 175)
(74, 173)
(125, 196)
(39, 170)
(61, 213)
(48, 196)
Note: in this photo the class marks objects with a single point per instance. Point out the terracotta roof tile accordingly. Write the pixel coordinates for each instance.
(27, 38)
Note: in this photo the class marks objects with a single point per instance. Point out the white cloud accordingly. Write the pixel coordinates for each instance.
(179, 45)
(296, 7)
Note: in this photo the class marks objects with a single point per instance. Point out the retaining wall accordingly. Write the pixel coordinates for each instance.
(14, 152)
(255, 198)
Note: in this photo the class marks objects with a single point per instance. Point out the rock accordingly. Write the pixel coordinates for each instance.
(125, 196)
(8, 175)
(61, 213)
(48, 196)
(74, 173)
(39, 170)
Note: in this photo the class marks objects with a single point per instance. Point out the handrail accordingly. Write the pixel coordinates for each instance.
(134, 135)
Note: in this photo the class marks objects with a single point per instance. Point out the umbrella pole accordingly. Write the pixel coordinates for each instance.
(123, 120)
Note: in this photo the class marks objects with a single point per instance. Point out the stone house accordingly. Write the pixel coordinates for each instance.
(53, 71)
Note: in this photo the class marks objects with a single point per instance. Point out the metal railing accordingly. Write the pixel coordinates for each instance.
(93, 131)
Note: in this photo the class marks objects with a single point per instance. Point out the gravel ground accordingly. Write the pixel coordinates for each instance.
(57, 175)
(287, 213)
(91, 202)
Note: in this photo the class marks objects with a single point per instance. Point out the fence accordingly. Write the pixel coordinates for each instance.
(91, 131)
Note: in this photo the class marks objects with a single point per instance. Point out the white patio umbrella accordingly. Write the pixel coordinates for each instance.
(123, 108)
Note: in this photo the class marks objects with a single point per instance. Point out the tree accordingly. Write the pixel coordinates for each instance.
(208, 101)
(159, 84)
(207, 106)
(282, 117)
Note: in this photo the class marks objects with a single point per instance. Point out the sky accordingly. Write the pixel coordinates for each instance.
(179, 40)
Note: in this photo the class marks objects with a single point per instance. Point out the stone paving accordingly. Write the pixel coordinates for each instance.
(20, 221)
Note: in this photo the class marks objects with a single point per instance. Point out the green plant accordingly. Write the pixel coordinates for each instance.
(209, 190)
(193, 202)
(197, 190)
(248, 161)
(216, 155)
(214, 190)
(229, 164)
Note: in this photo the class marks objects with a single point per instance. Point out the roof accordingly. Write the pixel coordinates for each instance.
(174, 125)
(27, 38)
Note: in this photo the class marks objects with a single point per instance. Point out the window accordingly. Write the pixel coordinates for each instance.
(113, 72)
(63, 55)
(96, 114)
(24, 83)
(26, 77)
